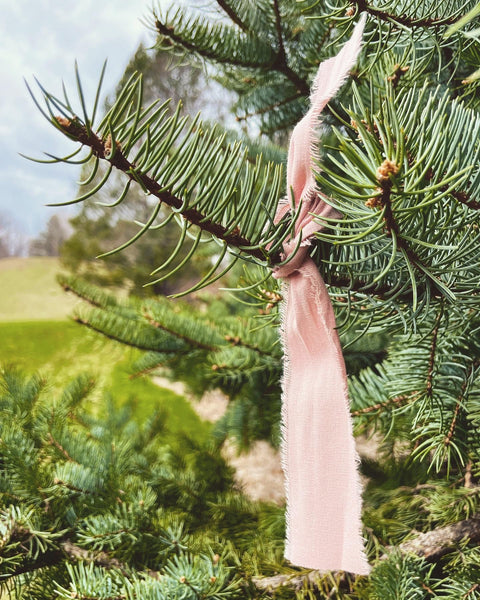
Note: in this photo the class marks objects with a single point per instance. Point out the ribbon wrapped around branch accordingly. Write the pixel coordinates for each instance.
(319, 458)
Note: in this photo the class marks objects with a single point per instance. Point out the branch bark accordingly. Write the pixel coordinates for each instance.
(88, 138)
(431, 545)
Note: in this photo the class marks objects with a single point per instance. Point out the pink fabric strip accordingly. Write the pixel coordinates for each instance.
(319, 458)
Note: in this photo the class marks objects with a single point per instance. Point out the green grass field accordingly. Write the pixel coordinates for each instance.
(28, 290)
(37, 336)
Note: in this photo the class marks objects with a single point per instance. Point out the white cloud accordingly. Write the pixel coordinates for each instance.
(44, 38)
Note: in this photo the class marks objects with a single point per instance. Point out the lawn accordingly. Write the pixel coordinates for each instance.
(29, 292)
(60, 349)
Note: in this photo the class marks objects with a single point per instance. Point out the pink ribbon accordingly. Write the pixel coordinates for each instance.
(319, 458)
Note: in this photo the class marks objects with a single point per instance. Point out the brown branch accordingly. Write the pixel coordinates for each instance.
(61, 449)
(88, 138)
(232, 340)
(474, 587)
(149, 318)
(397, 400)
(433, 350)
(385, 176)
(434, 544)
(278, 27)
(232, 14)
(78, 132)
(169, 32)
(464, 198)
(381, 291)
(101, 559)
(286, 581)
(71, 487)
(281, 63)
(237, 341)
(448, 438)
(109, 336)
(69, 551)
(468, 483)
(67, 288)
(427, 589)
(431, 545)
(404, 20)
(458, 406)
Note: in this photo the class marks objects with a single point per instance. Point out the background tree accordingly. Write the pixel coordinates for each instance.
(50, 241)
(402, 166)
(13, 242)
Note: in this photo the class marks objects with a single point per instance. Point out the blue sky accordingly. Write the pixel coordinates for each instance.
(43, 38)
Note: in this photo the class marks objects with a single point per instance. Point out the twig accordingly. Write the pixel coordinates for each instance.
(110, 336)
(120, 162)
(191, 342)
(225, 6)
(61, 449)
(404, 20)
(281, 63)
(433, 349)
(396, 401)
(458, 407)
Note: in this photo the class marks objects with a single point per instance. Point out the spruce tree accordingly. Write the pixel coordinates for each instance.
(399, 158)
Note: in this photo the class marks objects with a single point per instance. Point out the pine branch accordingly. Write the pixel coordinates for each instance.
(60, 448)
(278, 64)
(168, 31)
(382, 291)
(396, 401)
(237, 341)
(281, 63)
(383, 173)
(225, 6)
(464, 198)
(456, 412)
(67, 550)
(431, 358)
(434, 544)
(119, 161)
(403, 19)
(110, 336)
(101, 559)
(190, 341)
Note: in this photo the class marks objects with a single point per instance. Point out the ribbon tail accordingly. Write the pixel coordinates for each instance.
(323, 487)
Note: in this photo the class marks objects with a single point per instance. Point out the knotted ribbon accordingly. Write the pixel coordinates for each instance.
(319, 458)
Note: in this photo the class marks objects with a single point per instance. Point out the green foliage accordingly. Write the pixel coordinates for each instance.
(427, 144)
(426, 391)
(401, 163)
(401, 578)
(211, 187)
(61, 351)
(100, 505)
(205, 350)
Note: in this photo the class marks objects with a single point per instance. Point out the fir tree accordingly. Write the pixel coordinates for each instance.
(100, 507)
(400, 161)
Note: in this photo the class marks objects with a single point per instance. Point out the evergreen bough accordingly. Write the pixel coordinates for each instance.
(400, 159)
